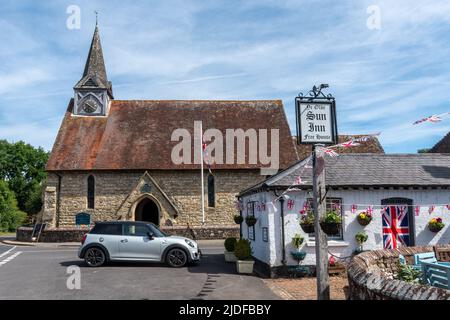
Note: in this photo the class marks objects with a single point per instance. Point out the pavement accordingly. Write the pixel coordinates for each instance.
(47, 271)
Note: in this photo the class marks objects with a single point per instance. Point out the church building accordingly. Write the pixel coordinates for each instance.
(113, 159)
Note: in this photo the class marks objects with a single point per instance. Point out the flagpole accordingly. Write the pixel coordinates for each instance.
(201, 165)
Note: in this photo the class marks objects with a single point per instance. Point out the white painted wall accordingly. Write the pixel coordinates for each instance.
(270, 252)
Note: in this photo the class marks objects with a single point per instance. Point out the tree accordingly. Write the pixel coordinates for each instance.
(23, 167)
(10, 216)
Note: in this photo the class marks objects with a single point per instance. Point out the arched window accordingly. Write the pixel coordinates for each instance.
(91, 192)
(211, 191)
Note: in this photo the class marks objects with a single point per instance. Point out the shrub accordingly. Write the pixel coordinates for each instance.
(10, 216)
(297, 241)
(361, 237)
(230, 244)
(243, 249)
(332, 217)
(409, 274)
(307, 218)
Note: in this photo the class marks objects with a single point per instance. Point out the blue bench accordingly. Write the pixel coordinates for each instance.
(437, 275)
(428, 257)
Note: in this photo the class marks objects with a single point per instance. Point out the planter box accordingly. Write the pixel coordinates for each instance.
(245, 266)
(229, 256)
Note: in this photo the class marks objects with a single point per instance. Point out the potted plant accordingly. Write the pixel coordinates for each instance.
(250, 220)
(331, 223)
(361, 237)
(238, 219)
(297, 241)
(243, 252)
(307, 222)
(229, 249)
(364, 218)
(436, 225)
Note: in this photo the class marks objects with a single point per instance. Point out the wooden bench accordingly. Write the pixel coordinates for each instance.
(435, 274)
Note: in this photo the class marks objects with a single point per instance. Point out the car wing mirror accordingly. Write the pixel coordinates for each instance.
(151, 235)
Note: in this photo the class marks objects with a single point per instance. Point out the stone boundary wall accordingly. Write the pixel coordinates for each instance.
(75, 234)
(371, 276)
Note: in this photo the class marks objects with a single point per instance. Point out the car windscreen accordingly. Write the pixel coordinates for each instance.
(108, 229)
(158, 233)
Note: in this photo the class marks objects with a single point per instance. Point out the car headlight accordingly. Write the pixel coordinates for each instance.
(190, 243)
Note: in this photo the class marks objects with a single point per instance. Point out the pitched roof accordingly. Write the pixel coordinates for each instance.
(136, 134)
(443, 146)
(369, 170)
(371, 146)
(94, 75)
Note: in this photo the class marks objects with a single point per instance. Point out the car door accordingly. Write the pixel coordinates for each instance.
(108, 235)
(136, 243)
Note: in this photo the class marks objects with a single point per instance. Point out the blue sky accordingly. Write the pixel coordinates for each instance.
(383, 80)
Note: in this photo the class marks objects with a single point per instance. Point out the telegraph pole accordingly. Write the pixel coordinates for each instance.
(319, 192)
(316, 125)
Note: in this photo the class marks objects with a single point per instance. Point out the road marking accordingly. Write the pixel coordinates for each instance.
(6, 252)
(10, 258)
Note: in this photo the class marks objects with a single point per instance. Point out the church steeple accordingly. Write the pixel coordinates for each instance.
(94, 82)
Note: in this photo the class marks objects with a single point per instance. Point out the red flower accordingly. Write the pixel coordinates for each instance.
(302, 212)
(439, 220)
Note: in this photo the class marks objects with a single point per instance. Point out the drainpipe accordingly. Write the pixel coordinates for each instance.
(58, 199)
(283, 249)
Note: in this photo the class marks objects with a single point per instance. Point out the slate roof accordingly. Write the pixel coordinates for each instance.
(369, 170)
(136, 134)
(371, 146)
(443, 146)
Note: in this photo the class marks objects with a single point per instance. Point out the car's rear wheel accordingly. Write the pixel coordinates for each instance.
(176, 258)
(94, 257)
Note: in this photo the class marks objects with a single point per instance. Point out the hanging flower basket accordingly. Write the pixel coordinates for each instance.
(331, 223)
(307, 227)
(364, 218)
(238, 219)
(298, 255)
(307, 222)
(331, 228)
(435, 225)
(250, 221)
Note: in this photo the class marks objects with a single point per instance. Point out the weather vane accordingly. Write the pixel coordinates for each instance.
(96, 17)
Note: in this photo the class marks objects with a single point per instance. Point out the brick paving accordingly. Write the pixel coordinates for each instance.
(305, 288)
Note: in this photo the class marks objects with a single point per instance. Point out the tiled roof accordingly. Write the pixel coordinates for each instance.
(443, 146)
(370, 146)
(136, 134)
(370, 170)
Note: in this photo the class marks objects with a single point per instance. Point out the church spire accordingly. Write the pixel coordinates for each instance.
(94, 75)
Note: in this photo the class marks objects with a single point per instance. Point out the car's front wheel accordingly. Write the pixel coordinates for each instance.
(94, 257)
(176, 258)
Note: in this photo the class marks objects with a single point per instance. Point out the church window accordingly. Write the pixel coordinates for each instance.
(90, 192)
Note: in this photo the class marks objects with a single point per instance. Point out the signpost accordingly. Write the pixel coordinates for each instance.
(316, 124)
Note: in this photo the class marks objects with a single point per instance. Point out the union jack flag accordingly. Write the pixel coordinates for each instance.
(370, 210)
(395, 227)
(290, 204)
(330, 152)
(354, 208)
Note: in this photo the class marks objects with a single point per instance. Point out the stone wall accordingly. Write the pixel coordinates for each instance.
(177, 194)
(371, 276)
(75, 234)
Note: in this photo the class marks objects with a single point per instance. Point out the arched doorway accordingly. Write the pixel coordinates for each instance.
(147, 210)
